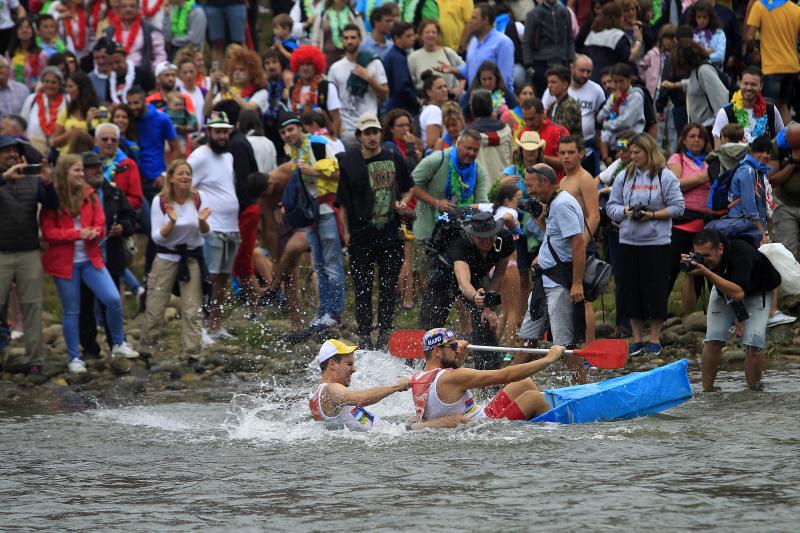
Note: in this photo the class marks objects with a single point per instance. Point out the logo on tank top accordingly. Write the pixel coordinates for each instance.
(362, 416)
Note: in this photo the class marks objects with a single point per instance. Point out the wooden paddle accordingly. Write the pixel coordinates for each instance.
(602, 353)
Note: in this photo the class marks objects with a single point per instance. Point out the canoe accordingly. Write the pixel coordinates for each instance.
(620, 398)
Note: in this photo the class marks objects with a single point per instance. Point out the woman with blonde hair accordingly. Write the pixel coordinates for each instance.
(73, 234)
(644, 204)
(178, 223)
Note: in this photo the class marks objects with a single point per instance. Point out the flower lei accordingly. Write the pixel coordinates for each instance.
(80, 42)
(308, 6)
(132, 34)
(302, 155)
(180, 18)
(657, 11)
(460, 181)
(48, 122)
(409, 10)
(96, 15)
(151, 11)
(743, 118)
(338, 20)
(58, 45)
(310, 101)
(616, 103)
(498, 100)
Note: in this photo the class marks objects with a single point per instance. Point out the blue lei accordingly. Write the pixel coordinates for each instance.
(462, 185)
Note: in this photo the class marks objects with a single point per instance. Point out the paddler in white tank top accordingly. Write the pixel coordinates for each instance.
(337, 406)
(443, 387)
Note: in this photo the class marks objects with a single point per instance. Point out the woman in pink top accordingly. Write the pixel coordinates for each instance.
(689, 165)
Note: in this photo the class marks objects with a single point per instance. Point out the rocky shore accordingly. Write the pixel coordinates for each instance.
(260, 352)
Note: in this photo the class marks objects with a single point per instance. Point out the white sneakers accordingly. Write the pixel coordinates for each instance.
(77, 366)
(324, 321)
(205, 339)
(780, 318)
(220, 334)
(124, 351)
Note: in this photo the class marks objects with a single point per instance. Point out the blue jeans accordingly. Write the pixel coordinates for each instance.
(232, 18)
(130, 281)
(326, 249)
(69, 292)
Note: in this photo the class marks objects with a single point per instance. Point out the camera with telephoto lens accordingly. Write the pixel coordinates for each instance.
(638, 210)
(692, 261)
(531, 205)
(491, 299)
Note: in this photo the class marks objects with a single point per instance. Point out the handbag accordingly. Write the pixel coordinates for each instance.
(129, 249)
(300, 209)
(596, 274)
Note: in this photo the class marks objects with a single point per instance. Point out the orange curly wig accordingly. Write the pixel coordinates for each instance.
(309, 54)
(250, 61)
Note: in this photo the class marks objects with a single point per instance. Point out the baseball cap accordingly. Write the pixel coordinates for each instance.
(218, 119)
(333, 347)
(165, 66)
(367, 121)
(436, 337)
(286, 118)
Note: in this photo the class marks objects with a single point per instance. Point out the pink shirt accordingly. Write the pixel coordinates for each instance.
(695, 199)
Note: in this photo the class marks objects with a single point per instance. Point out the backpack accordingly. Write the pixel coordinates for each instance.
(718, 194)
(736, 228)
(300, 208)
(649, 107)
(447, 229)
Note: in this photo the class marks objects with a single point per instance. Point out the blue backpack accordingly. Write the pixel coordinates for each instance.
(718, 194)
(300, 209)
(736, 228)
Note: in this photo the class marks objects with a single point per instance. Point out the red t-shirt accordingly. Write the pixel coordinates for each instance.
(551, 134)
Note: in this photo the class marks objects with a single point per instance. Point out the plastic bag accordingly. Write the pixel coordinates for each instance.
(785, 263)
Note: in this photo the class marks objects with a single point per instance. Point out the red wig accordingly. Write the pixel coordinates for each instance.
(309, 54)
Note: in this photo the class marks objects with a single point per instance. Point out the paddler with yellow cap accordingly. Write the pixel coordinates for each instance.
(337, 406)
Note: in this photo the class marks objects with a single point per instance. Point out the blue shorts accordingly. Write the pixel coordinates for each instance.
(231, 18)
(720, 318)
(220, 251)
(779, 87)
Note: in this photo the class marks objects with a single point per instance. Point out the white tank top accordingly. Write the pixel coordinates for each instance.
(352, 417)
(433, 406)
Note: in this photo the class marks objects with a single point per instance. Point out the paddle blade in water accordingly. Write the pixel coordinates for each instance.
(605, 353)
(407, 343)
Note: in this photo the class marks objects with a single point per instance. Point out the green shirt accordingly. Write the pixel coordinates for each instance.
(431, 175)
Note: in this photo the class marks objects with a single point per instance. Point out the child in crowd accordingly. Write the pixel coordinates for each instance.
(283, 41)
(706, 32)
(624, 110)
(47, 36)
(185, 123)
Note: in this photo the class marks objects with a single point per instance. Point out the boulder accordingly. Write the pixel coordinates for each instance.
(672, 321)
(125, 386)
(241, 364)
(781, 334)
(51, 334)
(692, 340)
(669, 336)
(733, 356)
(695, 321)
(603, 331)
(121, 366)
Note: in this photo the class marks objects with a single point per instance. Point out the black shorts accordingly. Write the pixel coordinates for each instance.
(644, 281)
(779, 87)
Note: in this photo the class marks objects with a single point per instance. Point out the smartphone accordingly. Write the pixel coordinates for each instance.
(214, 66)
(103, 113)
(32, 170)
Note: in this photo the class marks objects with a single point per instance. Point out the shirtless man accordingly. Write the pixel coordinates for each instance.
(442, 389)
(337, 406)
(582, 186)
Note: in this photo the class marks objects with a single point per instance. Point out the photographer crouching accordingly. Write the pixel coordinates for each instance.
(462, 269)
(743, 279)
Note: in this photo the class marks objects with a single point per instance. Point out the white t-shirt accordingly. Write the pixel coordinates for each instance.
(198, 100)
(431, 116)
(186, 230)
(590, 98)
(264, 151)
(722, 120)
(213, 176)
(351, 107)
(80, 247)
(501, 212)
(6, 21)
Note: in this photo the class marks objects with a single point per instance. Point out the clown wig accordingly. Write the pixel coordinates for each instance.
(250, 61)
(309, 54)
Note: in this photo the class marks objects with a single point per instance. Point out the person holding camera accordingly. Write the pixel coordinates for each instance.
(644, 204)
(557, 299)
(743, 280)
(463, 270)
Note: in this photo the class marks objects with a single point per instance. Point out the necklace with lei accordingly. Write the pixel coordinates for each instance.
(58, 45)
(616, 103)
(48, 115)
(498, 100)
(743, 117)
(409, 10)
(132, 34)
(460, 180)
(180, 18)
(80, 42)
(308, 7)
(300, 104)
(338, 20)
(151, 11)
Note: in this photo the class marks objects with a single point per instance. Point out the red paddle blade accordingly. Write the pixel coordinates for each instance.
(605, 353)
(407, 343)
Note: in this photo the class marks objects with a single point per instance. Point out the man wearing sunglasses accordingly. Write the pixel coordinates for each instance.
(117, 166)
(442, 389)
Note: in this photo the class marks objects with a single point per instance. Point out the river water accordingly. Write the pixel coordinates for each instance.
(250, 459)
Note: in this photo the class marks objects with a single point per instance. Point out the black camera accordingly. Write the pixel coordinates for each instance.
(638, 210)
(532, 206)
(491, 299)
(739, 310)
(690, 262)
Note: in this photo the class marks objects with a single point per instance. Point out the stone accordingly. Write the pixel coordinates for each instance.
(781, 335)
(692, 340)
(59, 382)
(695, 321)
(190, 378)
(672, 321)
(733, 356)
(240, 364)
(121, 366)
(48, 317)
(125, 386)
(669, 336)
(79, 379)
(170, 313)
(603, 331)
(51, 334)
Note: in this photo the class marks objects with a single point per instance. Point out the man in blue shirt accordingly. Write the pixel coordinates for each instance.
(486, 44)
(379, 41)
(402, 93)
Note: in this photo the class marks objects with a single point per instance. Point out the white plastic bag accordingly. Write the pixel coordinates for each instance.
(786, 265)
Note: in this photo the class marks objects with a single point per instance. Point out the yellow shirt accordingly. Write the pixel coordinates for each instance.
(69, 123)
(453, 17)
(778, 30)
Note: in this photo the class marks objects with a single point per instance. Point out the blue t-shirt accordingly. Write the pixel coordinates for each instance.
(564, 220)
(155, 128)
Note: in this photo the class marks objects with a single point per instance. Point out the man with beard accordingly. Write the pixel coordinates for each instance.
(371, 183)
(143, 43)
(124, 74)
(213, 176)
(361, 81)
(759, 117)
(443, 387)
(166, 76)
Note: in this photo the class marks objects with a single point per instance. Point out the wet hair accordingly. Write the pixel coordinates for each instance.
(577, 139)
(687, 129)
(733, 132)
(710, 236)
(480, 103)
(761, 144)
(703, 7)
(561, 72)
(323, 365)
(400, 27)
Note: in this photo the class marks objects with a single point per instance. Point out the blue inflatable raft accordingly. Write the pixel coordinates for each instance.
(636, 394)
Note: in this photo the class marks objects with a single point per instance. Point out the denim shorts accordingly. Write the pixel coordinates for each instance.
(720, 318)
(779, 87)
(559, 317)
(220, 251)
(231, 18)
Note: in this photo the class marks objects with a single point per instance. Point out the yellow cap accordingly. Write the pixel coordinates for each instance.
(333, 347)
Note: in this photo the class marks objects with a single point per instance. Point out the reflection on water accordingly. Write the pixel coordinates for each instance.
(257, 462)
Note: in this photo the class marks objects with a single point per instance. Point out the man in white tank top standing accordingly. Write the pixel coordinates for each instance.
(443, 387)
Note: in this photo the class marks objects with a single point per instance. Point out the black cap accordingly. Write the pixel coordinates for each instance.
(8, 140)
(113, 47)
(286, 118)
